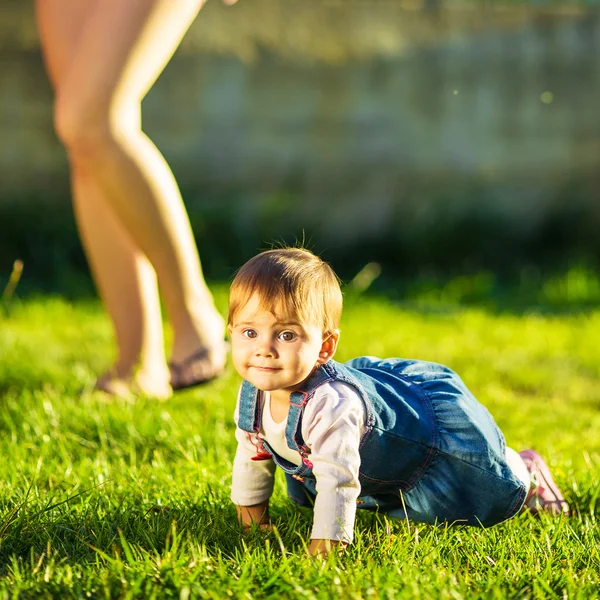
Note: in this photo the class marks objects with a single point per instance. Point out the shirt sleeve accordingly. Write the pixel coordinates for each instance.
(252, 480)
(333, 425)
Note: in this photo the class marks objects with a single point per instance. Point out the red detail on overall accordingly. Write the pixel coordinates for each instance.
(303, 401)
(262, 456)
(307, 463)
(261, 453)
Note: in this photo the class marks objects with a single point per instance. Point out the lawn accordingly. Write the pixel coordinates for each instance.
(103, 498)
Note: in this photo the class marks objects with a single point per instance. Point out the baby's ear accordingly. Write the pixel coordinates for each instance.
(329, 346)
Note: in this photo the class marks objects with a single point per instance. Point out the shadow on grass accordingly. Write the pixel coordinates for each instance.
(81, 535)
(90, 529)
(89, 526)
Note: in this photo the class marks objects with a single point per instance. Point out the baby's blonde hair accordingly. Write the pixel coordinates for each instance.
(293, 280)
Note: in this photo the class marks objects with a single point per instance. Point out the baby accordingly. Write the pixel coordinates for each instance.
(405, 437)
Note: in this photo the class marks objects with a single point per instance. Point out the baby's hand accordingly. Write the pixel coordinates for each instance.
(263, 527)
(322, 548)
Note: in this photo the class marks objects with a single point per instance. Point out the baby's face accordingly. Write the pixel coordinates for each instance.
(274, 352)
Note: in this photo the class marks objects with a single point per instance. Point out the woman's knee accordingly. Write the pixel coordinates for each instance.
(85, 130)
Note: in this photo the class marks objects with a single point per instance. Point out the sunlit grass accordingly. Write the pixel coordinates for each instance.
(106, 498)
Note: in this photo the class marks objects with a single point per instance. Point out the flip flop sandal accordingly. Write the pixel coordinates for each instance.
(178, 371)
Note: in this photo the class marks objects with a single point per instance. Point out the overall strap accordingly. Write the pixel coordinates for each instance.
(250, 420)
(298, 400)
(249, 417)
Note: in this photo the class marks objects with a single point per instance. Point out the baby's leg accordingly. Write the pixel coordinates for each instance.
(518, 467)
(544, 495)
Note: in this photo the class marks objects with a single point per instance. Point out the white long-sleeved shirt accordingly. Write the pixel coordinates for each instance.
(332, 427)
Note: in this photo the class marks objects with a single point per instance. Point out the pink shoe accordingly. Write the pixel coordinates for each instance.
(544, 494)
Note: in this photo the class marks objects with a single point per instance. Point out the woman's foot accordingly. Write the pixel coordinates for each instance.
(134, 386)
(199, 351)
(200, 367)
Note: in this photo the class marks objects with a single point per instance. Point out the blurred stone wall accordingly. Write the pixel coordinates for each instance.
(372, 124)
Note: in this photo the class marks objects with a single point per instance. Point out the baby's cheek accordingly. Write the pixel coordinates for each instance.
(237, 360)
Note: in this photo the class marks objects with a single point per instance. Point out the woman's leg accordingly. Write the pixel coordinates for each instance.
(121, 49)
(125, 279)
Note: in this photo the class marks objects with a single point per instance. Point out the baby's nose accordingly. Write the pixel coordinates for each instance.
(266, 348)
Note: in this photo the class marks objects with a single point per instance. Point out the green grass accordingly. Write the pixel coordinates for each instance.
(110, 499)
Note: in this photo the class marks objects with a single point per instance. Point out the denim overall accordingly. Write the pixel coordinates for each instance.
(430, 452)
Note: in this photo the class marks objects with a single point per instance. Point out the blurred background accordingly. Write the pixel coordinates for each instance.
(435, 138)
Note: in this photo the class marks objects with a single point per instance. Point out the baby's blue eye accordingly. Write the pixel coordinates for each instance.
(249, 333)
(287, 336)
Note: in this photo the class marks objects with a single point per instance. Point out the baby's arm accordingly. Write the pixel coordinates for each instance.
(252, 481)
(332, 428)
(258, 514)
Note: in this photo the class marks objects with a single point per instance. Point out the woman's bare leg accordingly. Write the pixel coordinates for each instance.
(121, 49)
(130, 293)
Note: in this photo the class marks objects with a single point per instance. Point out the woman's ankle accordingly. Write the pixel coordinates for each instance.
(205, 332)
